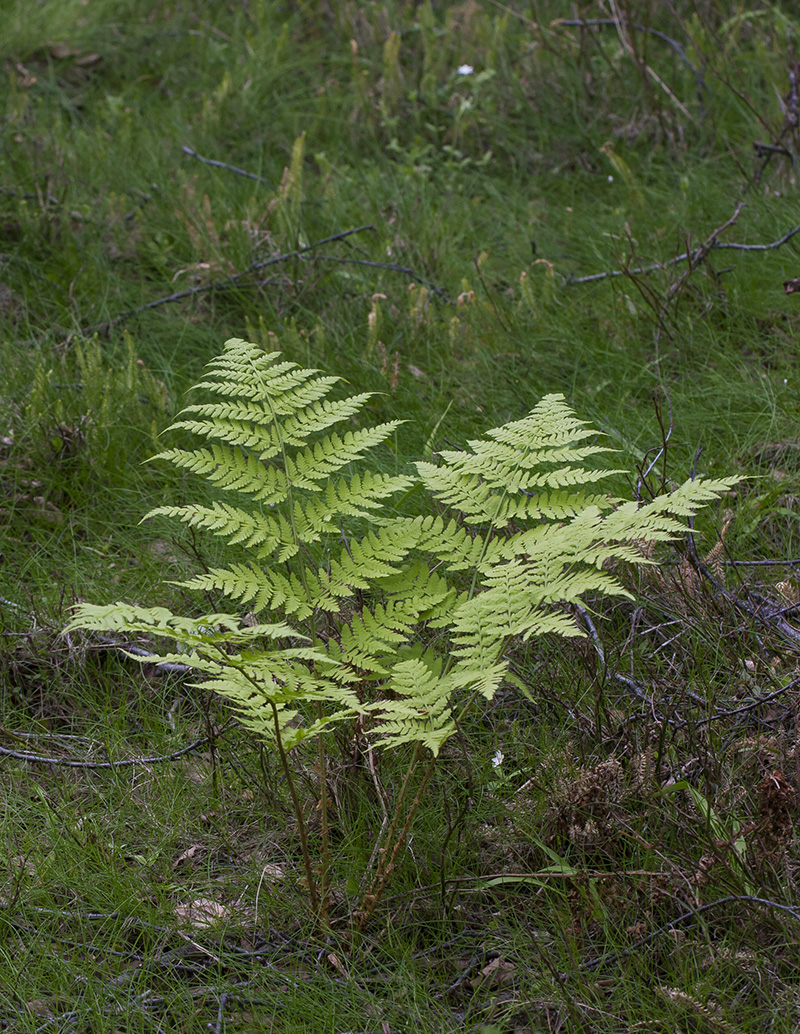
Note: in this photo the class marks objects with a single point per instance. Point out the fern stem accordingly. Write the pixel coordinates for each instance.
(313, 893)
(320, 905)
(385, 871)
(370, 899)
(325, 849)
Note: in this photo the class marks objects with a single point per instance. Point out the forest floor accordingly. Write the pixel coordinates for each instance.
(460, 208)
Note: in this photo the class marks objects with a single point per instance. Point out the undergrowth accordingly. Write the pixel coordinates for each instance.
(459, 209)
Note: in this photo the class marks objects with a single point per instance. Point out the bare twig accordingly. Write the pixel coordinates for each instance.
(630, 684)
(223, 165)
(616, 23)
(764, 563)
(768, 149)
(693, 256)
(700, 253)
(155, 759)
(612, 956)
(762, 610)
(752, 605)
(234, 282)
(757, 702)
(223, 1001)
(304, 251)
(391, 266)
(170, 667)
(602, 23)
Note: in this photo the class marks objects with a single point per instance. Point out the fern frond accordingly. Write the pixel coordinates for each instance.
(259, 589)
(255, 426)
(244, 370)
(422, 712)
(206, 630)
(523, 470)
(532, 533)
(274, 689)
(318, 462)
(691, 496)
(517, 600)
(453, 544)
(500, 495)
(371, 639)
(232, 469)
(550, 428)
(359, 496)
(255, 531)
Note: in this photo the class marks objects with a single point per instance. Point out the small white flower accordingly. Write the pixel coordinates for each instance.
(465, 69)
(497, 760)
(610, 179)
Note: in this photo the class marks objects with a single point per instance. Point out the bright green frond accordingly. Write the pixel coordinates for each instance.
(319, 461)
(251, 586)
(264, 441)
(422, 712)
(531, 534)
(550, 425)
(255, 426)
(208, 629)
(260, 532)
(232, 469)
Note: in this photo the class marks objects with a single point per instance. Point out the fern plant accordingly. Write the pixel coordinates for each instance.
(400, 622)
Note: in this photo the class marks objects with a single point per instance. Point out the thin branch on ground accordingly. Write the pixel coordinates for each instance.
(161, 667)
(602, 23)
(751, 605)
(152, 760)
(613, 956)
(769, 149)
(763, 563)
(700, 254)
(755, 703)
(224, 165)
(691, 256)
(391, 266)
(235, 281)
(630, 684)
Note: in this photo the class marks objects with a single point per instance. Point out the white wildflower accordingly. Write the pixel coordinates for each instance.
(497, 760)
(465, 69)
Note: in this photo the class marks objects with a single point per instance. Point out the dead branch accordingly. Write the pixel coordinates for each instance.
(602, 23)
(235, 281)
(700, 254)
(391, 266)
(21, 755)
(223, 165)
(693, 257)
(592, 964)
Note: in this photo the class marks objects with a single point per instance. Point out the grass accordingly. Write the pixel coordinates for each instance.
(632, 862)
